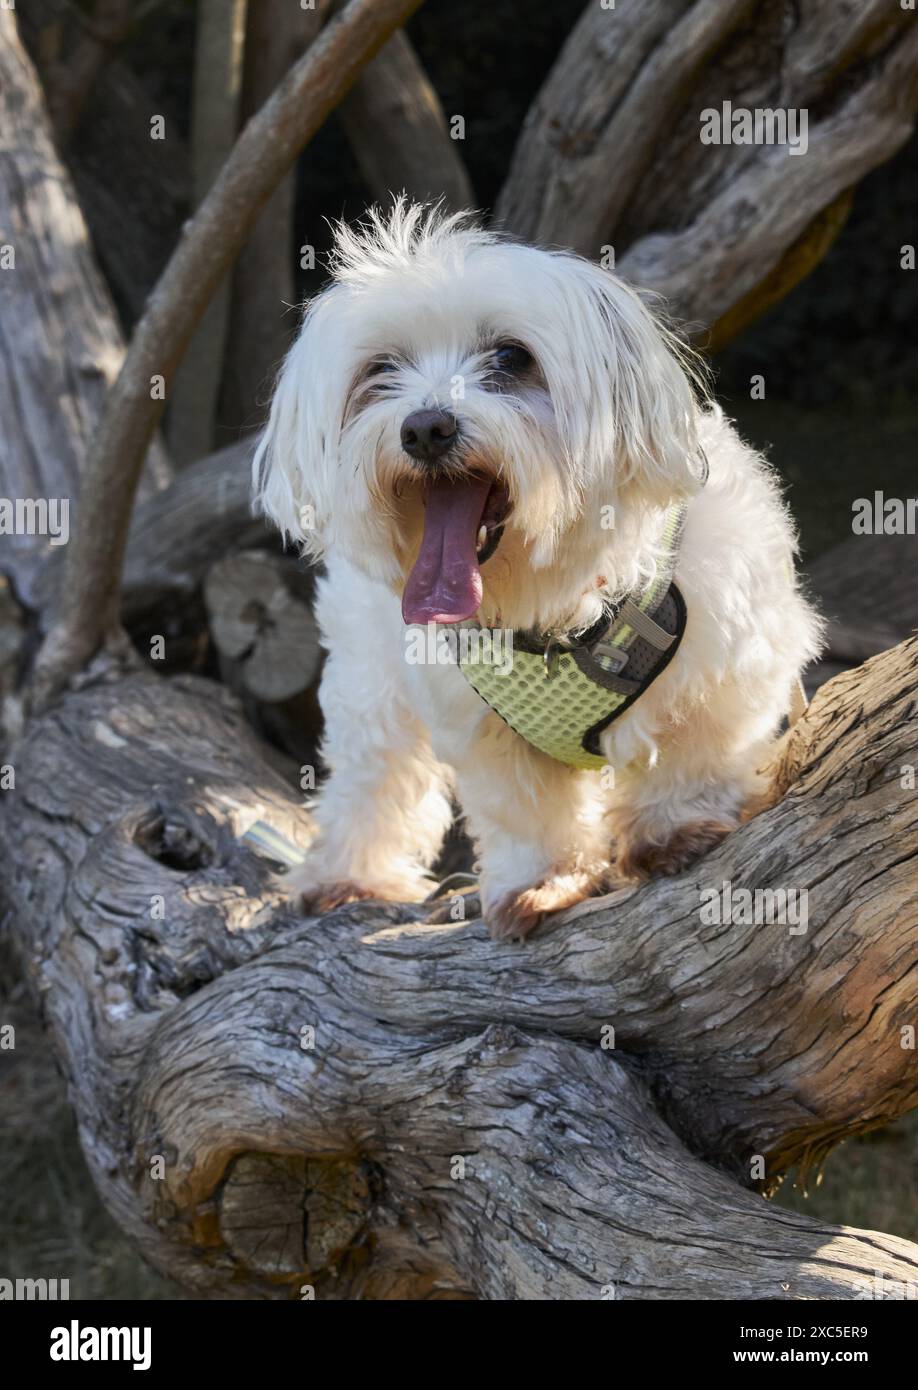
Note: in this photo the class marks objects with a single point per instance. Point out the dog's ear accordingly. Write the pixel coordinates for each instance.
(636, 428)
(295, 463)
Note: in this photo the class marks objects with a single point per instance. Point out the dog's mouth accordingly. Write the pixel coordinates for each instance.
(463, 523)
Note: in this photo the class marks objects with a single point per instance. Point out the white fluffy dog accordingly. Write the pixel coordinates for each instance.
(470, 429)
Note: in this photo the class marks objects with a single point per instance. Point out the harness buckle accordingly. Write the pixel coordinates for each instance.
(616, 655)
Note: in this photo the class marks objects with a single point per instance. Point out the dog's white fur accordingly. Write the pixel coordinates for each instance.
(614, 415)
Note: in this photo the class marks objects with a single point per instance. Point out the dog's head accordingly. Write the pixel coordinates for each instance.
(454, 396)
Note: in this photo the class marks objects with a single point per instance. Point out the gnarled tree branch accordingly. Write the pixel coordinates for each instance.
(611, 153)
(180, 992)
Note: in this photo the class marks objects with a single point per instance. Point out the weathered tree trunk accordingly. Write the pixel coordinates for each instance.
(396, 127)
(60, 344)
(261, 323)
(611, 152)
(260, 619)
(214, 124)
(134, 221)
(12, 642)
(176, 536)
(380, 1107)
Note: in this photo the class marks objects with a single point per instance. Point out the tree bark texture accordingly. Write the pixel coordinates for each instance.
(376, 1106)
(611, 154)
(214, 122)
(262, 319)
(60, 344)
(397, 129)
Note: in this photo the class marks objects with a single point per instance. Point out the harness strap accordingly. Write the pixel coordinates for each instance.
(561, 693)
(645, 627)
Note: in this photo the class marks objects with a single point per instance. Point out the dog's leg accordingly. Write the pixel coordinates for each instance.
(381, 815)
(538, 827)
(385, 807)
(702, 786)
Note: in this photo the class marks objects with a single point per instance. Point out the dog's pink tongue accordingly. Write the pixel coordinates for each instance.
(445, 584)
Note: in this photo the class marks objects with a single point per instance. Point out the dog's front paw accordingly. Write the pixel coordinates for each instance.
(314, 893)
(517, 914)
(643, 859)
(325, 897)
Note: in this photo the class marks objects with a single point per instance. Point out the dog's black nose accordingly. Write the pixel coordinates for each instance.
(427, 434)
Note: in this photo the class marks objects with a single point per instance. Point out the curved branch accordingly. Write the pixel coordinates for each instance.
(88, 604)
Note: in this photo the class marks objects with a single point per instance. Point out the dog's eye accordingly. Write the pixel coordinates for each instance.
(511, 359)
(381, 366)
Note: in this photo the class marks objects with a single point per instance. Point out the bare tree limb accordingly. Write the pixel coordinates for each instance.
(592, 131)
(89, 602)
(731, 247)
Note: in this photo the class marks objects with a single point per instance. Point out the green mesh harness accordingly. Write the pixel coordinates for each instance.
(559, 694)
